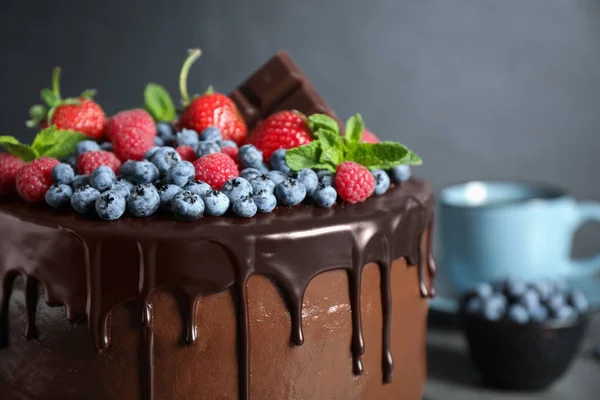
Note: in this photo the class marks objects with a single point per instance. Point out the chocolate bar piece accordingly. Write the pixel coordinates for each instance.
(278, 85)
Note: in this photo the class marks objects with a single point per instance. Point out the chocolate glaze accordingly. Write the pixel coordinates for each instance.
(91, 266)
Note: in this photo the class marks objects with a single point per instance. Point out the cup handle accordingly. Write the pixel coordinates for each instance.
(587, 211)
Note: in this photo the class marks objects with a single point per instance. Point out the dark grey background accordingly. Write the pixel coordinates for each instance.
(479, 88)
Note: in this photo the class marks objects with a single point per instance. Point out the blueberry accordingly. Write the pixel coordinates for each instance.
(564, 312)
(326, 177)
(181, 174)
(309, 179)
(227, 143)
(63, 174)
(110, 205)
(250, 173)
(80, 180)
(144, 172)
(198, 187)
(556, 301)
(265, 200)
(187, 205)
(543, 289)
(207, 147)
(263, 169)
(290, 192)
(106, 146)
(215, 203)
(84, 146)
(382, 181)
(164, 158)
(102, 178)
(166, 193)
(158, 142)
(244, 207)
(126, 170)
(530, 300)
(187, 137)
(497, 300)
(84, 199)
(211, 133)
(72, 160)
(58, 195)
(539, 314)
(262, 182)
(123, 187)
(400, 173)
(578, 301)
(277, 176)
(514, 288)
(249, 156)
(518, 313)
(492, 310)
(150, 153)
(324, 196)
(474, 305)
(165, 131)
(483, 290)
(236, 188)
(143, 200)
(278, 162)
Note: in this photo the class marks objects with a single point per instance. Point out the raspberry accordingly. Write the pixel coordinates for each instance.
(35, 178)
(137, 118)
(353, 182)
(132, 144)
(187, 153)
(215, 169)
(282, 130)
(369, 137)
(231, 152)
(9, 167)
(89, 161)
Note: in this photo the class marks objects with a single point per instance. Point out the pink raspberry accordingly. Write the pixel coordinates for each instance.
(187, 153)
(215, 169)
(231, 152)
(353, 182)
(34, 179)
(9, 167)
(90, 160)
(131, 144)
(137, 118)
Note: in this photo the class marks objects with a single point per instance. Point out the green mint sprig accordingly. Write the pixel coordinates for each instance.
(329, 149)
(53, 100)
(50, 142)
(159, 103)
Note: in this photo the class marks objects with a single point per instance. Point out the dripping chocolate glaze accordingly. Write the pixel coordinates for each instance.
(91, 266)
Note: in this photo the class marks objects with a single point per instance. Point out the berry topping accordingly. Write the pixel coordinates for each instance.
(199, 187)
(143, 200)
(324, 196)
(231, 152)
(278, 162)
(88, 162)
(262, 182)
(382, 181)
(102, 178)
(250, 173)
(309, 179)
(207, 147)
(244, 207)
(63, 174)
(123, 187)
(110, 205)
(80, 180)
(85, 146)
(137, 119)
(186, 153)
(187, 205)
(277, 176)
(132, 143)
(237, 188)
(282, 130)
(58, 195)
(164, 158)
(187, 137)
(250, 157)
(400, 173)
(265, 201)
(166, 193)
(215, 169)
(290, 192)
(165, 131)
(142, 172)
(215, 203)
(181, 173)
(34, 179)
(9, 167)
(354, 183)
(84, 199)
(214, 134)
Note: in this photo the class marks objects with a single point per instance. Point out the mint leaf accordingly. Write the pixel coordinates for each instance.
(324, 122)
(44, 139)
(307, 156)
(332, 148)
(49, 97)
(37, 113)
(384, 155)
(159, 103)
(13, 146)
(52, 142)
(354, 128)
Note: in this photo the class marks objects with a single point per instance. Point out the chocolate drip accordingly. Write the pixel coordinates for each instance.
(31, 299)
(291, 245)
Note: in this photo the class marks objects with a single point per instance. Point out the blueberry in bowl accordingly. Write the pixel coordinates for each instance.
(523, 336)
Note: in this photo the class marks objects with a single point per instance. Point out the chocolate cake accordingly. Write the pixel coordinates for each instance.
(299, 303)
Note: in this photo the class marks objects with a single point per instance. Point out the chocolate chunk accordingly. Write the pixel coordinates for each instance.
(278, 85)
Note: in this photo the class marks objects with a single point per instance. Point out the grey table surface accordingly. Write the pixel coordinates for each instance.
(451, 376)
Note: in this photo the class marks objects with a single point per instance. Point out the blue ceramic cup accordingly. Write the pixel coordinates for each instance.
(489, 230)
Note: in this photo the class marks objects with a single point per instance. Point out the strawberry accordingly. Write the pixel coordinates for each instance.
(187, 153)
(80, 114)
(215, 169)
(90, 160)
(282, 130)
(354, 182)
(34, 179)
(137, 118)
(209, 109)
(369, 137)
(9, 167)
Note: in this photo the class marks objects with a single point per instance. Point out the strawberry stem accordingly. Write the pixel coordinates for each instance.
(194, 54)
(56, 82)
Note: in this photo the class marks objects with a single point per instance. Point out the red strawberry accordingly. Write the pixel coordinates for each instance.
(210, 109)
(231, 152)
(131, 144)
(34, 179)
(9, 167)
(353, 182)
(282, 130)
(187, 153)
(138, 118)
(369, 137)
(89, 161)
(215, 169)
(80, 114)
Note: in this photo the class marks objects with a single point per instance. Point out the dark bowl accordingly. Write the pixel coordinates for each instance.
(523, 357)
